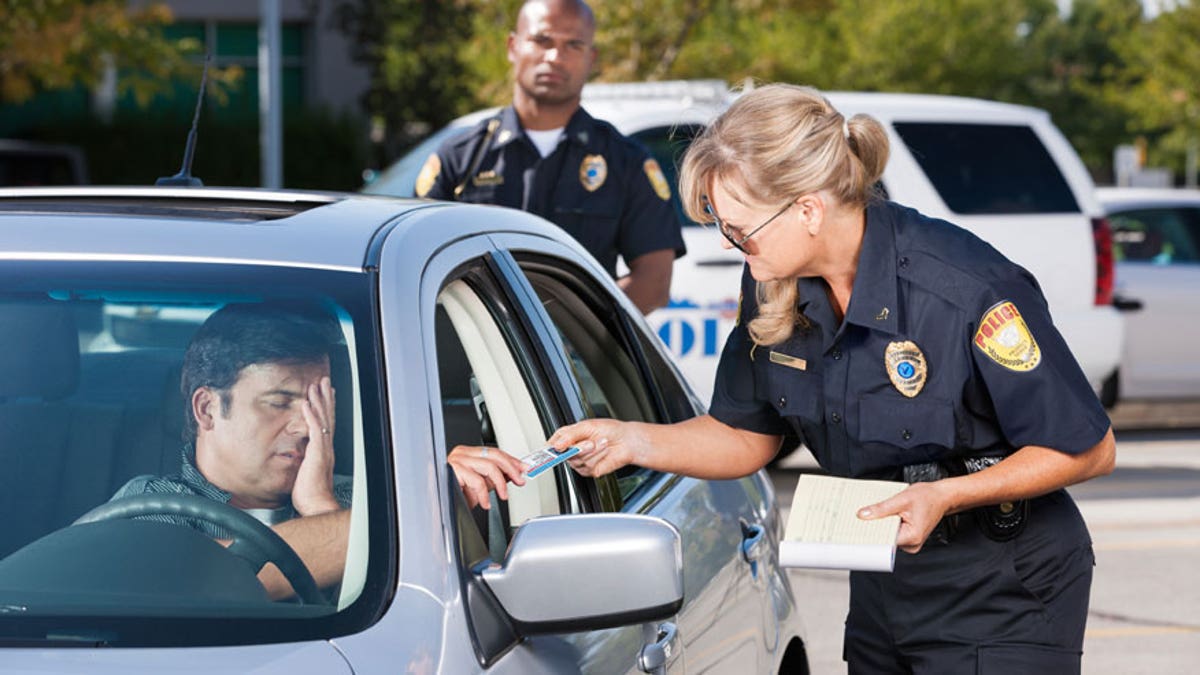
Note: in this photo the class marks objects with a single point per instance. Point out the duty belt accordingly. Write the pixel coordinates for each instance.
(1000, 522)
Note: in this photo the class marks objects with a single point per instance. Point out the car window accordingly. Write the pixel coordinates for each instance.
(667, 145)
(1161, 236)
(617, 370)
(488, 398)
(988, 168)
(92, 414)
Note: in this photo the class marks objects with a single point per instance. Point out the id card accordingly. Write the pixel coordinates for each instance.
(548, 457)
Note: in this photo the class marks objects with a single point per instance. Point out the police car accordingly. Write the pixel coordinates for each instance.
(1003, 171)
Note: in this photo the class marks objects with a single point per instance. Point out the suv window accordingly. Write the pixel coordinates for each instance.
(988, 168)
(1161, 236)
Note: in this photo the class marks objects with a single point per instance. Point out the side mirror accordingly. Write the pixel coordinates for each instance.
(589, 572)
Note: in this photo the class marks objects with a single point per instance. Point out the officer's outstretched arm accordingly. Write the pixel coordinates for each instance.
(648, 283)
(702, 447)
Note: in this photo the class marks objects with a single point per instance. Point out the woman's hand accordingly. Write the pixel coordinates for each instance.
(920, 507)
(481, 469)
(605, 445)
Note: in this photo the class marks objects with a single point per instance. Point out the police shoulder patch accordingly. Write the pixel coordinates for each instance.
(1004, 338)
(657, 180)
(429, 173)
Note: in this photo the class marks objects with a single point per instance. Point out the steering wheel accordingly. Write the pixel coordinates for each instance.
(254, 542)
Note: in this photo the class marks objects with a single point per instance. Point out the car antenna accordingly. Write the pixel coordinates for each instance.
(185, 178)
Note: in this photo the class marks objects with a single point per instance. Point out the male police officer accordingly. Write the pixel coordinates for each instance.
(546, 155)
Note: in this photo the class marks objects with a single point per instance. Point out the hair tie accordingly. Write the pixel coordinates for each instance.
(845, 128)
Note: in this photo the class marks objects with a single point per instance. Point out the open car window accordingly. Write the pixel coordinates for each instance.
(91, 403)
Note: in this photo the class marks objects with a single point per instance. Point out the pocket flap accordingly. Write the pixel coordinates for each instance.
(905, 422)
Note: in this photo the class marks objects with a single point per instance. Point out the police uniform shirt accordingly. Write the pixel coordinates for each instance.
(947, 349)
(600, 186)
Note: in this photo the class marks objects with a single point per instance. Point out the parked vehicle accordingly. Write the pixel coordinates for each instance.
(30, 163)
(1002, 171)
(1156, 241)
(459, 323)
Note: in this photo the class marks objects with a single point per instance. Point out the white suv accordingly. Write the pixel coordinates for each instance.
(1003, 171)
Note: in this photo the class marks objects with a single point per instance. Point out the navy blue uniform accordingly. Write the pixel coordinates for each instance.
(600, 186)
(947, 350)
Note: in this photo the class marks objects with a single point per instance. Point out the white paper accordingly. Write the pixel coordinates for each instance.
(824, 529)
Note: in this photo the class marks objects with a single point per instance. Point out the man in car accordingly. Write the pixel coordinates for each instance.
(260, 416)
(545, 154)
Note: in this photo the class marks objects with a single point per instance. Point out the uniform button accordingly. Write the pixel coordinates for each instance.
(782, 401)
(837, 355)
(903, 262)
(836, 418)
(906, 434)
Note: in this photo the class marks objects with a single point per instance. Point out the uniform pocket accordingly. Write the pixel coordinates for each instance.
(906, 423)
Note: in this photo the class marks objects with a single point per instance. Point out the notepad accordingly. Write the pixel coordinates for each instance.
(824, 530)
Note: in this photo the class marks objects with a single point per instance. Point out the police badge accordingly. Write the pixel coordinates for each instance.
(906, 367)
(593, 170)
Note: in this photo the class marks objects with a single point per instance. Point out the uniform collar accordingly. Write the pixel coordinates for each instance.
(873, 300)
(579, 129)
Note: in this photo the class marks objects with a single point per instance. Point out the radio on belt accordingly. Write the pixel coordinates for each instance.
(548, 457)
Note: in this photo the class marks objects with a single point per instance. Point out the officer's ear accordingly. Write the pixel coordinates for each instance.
(811, 210)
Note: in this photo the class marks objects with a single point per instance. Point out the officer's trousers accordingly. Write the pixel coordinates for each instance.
(976, 605)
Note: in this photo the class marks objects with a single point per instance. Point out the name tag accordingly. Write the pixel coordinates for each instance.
(789, 361)
(488, 178)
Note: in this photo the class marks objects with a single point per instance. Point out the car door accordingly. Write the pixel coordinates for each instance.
(615, 369)
(1158, 266)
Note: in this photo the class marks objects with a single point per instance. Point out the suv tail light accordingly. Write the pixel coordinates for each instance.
(1102, 235)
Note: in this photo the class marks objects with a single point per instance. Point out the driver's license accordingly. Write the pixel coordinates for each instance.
(548, 457)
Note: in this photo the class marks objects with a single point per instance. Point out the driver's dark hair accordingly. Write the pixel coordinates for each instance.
(242, 334)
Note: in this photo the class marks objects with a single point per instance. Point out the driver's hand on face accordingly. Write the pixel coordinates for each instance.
(313, 490)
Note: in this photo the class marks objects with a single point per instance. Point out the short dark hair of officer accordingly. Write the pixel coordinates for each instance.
(816, 148)
(242, 334)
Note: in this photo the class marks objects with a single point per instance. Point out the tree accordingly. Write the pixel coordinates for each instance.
(415, 53)
(60, 44)
(1159, 87)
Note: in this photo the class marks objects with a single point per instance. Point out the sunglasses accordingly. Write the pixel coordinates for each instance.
(729, 232)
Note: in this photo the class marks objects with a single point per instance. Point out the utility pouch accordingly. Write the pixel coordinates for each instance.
(1003, 521)
(927, 472)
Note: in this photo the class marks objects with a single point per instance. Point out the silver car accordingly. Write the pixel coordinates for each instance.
(1156, 241)
(459, 324)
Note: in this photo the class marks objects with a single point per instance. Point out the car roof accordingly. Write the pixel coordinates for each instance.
(289, 228)
(1132, 198)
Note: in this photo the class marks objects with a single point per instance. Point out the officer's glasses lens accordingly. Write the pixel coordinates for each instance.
(722, 227)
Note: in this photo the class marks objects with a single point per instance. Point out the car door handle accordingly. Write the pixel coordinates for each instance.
(753, 541)
(1124, 304)
(655, 657)
(720, 262)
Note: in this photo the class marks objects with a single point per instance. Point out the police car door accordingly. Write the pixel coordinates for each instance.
(614, 369)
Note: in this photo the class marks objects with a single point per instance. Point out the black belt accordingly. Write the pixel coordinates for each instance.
(1000, 522)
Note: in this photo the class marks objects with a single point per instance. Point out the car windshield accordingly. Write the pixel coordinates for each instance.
(91, 408)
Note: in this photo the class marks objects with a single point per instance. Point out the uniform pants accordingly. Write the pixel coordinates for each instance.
(976, 605)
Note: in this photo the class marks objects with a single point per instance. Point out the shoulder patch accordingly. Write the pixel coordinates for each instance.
(1004, 338)
(657, 179)
(429, 173)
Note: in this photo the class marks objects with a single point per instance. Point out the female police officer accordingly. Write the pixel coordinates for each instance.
(894, 346)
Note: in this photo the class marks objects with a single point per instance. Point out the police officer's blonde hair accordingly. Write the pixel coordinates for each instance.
(773, 144)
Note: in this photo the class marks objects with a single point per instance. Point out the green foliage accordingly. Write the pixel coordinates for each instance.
(1159, 88)
(49, 45)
